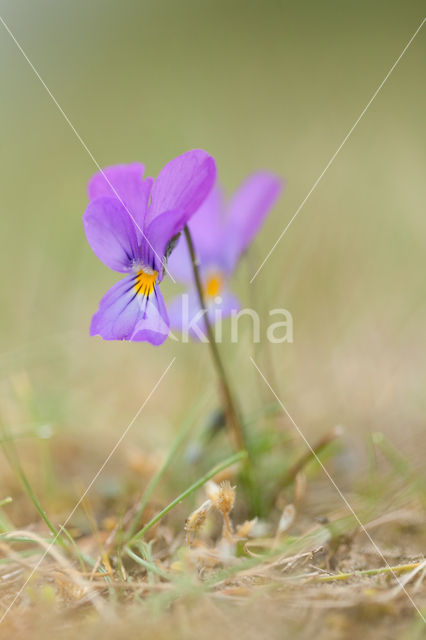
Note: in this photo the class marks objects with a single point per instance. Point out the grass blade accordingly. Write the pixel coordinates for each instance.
(241, 455)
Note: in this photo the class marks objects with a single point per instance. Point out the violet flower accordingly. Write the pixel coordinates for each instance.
(221, 232)
(130, 223)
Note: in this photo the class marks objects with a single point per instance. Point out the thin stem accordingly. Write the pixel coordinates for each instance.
(13, 459)
(227, 526)
(199, 483)
(149, 566)
(232, 415)
(318, 447)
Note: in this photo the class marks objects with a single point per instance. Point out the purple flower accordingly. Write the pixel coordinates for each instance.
(130, 223)
(221, 232)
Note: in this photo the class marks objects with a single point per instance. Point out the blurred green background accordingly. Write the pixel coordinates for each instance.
(260, 85)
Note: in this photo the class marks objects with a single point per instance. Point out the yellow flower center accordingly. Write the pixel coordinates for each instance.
(214, 285)
(145, 281)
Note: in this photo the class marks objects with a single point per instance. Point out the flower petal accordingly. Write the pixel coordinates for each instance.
(111, 233)
(158, 236)
(226, 303)
(207, 225)
(185, 312)
(208, 229)
(248, 209)
(118, 312)
(125, 315)
(179, 263)
(154, 325)
(124, 181)
(182, 308)
(183, 184)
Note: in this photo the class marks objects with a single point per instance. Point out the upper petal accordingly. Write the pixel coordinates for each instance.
(111, 233)
(183, 184)
(248, 209)
(124, 182)
(207, 225)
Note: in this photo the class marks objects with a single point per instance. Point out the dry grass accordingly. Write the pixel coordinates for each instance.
(290, 573)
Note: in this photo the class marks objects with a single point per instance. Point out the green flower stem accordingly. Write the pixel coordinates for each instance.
(232, 415)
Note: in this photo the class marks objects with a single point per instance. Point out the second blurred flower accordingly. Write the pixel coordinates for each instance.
(221, 232)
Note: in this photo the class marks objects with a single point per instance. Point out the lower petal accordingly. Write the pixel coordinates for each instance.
(182, 309)
(186, 315)
(153, 326)
(125, 315)
(225, 303)
(117, 313)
